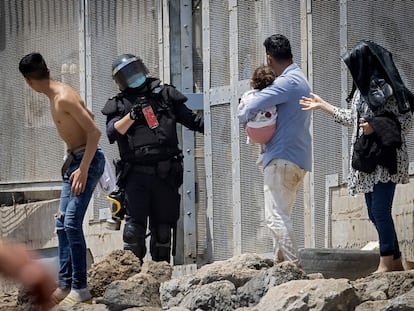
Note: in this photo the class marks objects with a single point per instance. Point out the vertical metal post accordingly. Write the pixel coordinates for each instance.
(343, 39)
(207, 127)
(235, 142)
(166, 73)
(160, 7)
(83, 4)
(174, 42)
(330, 182)
(307, 66)
(189, 213)
(87, 57)
(85, 72)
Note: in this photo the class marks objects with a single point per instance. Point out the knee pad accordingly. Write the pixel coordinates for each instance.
(134, 239)
(163, 233)
(161, 243)
(134, 233)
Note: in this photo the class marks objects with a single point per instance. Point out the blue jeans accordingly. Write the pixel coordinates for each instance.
(69, 220)
(379, 203)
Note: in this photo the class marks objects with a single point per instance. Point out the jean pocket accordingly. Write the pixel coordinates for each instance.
(97, 165)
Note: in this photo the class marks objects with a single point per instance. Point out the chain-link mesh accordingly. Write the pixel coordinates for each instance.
(201, 202)
(327, 83)
(31, 148)
(219, 45)
(222, 182)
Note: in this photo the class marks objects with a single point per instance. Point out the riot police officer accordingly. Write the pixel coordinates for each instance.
(142, 120)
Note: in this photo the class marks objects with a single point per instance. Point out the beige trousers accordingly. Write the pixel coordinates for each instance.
(282, 179)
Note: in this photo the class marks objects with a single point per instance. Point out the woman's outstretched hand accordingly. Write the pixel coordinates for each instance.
(310, 103)
(315, 102)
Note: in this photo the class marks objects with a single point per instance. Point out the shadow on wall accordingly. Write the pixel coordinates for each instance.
(30, 223)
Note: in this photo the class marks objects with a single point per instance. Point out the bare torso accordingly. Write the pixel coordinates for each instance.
(74, 123)
(61, 105)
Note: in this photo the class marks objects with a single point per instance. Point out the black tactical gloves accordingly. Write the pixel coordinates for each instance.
(136, 112)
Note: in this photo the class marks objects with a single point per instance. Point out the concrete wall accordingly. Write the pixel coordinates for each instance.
(351, 227)
(33, 224)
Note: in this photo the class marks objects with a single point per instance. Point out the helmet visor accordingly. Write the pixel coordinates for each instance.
(131, 73)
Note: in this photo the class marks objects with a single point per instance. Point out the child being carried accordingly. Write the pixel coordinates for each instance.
(263, 126)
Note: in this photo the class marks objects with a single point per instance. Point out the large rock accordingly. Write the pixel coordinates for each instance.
(161, 271)
(140, 290)
(372, 305)
(218, 296)
(118, 265)
(251, 292)
(391, 284)
(81, 307)
(144, 309)
(404, 302)
(236, 270)
(315, 295)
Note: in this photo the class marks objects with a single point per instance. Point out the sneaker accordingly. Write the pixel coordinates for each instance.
(76, 296)
(59, 294)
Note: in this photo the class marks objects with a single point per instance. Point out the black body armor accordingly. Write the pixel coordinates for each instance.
(141, 144)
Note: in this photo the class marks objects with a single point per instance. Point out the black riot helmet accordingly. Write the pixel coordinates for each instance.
(129, 71)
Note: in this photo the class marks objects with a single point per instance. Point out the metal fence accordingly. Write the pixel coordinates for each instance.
(31, 149)
(234, 32)
(319, 31)
(336, 26)
(80, 38)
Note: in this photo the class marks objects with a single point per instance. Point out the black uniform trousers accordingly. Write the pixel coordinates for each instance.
(150, 196)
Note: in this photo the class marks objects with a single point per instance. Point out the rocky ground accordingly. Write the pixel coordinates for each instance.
(244, 283)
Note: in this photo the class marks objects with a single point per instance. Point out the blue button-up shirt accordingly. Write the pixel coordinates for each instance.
(292, 140)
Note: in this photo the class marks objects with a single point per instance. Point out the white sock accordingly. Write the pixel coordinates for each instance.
(80, 294)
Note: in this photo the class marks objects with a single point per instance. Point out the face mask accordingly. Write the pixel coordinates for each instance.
(136, 80)
(378, 93)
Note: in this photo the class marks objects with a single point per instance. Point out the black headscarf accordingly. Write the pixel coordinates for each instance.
(368, 61)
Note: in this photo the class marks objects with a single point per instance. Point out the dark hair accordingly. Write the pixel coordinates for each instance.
(33, 66)
(278, 47)
(262, 76)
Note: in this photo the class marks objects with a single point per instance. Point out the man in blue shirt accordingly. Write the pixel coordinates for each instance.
(288, 155)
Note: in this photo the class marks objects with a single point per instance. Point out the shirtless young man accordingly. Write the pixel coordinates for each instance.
(81, 171)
